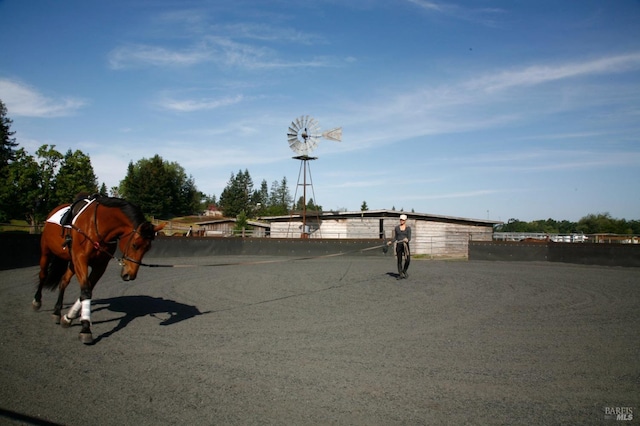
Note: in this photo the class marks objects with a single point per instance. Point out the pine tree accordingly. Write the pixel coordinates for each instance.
(75, 176)
(7, 155)
(7, 141)
(160, 188)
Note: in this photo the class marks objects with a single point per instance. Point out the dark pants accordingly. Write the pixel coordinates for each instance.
(402, 250)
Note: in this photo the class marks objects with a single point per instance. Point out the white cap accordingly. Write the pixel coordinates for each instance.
(403, 217)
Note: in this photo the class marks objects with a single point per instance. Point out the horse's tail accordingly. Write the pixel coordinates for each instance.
(55, 270)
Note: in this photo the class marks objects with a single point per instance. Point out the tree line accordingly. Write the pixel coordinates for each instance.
(601, 223)
(31, 186)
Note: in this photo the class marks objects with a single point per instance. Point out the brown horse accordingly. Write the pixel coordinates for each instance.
(85, 247)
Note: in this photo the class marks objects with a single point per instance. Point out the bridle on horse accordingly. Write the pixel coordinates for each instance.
(99, 245)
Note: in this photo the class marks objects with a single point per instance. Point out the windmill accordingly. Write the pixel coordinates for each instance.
(304, 135)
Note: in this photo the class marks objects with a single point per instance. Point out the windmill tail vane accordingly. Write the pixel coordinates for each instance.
(333, 134)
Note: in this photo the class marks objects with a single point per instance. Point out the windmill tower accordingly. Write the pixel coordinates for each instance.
(304, 135)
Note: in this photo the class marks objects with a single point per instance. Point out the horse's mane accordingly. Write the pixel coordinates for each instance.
(130, 210)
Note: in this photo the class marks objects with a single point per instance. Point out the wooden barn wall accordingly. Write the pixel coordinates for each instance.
(333, 228)
(438, 239)
(363, 227)
(441, 239)
(218, 229)
(286, 229)
(330, 228)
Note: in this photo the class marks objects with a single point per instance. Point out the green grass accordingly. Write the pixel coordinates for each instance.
(15, 226)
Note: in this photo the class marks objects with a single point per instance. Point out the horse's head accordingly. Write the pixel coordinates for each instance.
(134, 247)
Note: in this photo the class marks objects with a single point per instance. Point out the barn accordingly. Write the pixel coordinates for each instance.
(226, 228)
(432, 235)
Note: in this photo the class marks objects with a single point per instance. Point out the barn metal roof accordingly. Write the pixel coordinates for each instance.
(381, 214)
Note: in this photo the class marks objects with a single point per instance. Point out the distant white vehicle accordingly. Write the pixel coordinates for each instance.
(573, 238)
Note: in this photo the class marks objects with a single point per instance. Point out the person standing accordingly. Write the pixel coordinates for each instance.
(401, 237)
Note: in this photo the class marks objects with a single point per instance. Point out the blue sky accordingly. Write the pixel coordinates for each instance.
(470, 108)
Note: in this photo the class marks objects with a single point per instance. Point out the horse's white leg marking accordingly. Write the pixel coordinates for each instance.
(73, 312)
(86, 310)
(68, 318)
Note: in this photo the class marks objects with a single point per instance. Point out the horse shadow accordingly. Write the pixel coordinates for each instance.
(139, 306)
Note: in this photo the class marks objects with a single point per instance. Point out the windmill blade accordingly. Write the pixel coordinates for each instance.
(297, 147)
(310, 126)
(292, 135)
(313, 127)
(333, 134)
(293, 129)
(312, 143)
(312, 122)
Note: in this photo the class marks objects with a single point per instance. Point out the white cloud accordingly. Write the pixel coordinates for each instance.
(540, 74)
(23, 100)
(190, 105)
(428, 5)
(222, 51)
(482, 16)
(137, 55)
(269, 33)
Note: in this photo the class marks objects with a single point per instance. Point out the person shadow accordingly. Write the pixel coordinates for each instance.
(139, 306)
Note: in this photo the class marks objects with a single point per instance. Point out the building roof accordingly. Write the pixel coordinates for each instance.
(233, 220)
(382, 214)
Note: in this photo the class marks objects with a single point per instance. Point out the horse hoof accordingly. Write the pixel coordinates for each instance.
(86, 338)
(65, 322)
(35, 305)
(56, 318)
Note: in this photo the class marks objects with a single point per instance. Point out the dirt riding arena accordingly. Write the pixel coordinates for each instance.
(329, 341)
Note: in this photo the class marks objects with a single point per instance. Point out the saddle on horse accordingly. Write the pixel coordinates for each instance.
(66, 221)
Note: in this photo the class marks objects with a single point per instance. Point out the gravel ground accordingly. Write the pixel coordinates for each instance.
(328, 341)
